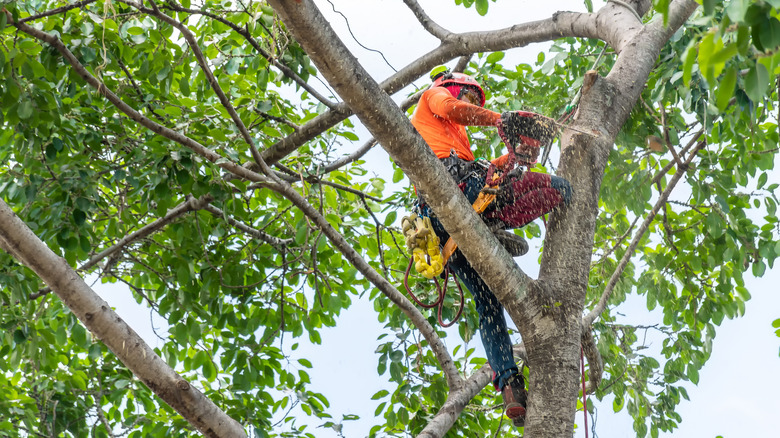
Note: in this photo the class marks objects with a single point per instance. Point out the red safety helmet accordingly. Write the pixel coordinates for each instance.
(444, 78)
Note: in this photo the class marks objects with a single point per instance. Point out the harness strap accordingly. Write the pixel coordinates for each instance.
(485, 198)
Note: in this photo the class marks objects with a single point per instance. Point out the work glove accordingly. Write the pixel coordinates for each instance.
(526, 132)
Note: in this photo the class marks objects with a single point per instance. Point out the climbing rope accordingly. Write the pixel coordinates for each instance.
(423, 244)
(584, 396)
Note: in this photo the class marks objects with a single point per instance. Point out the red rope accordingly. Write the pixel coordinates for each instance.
(584, 396)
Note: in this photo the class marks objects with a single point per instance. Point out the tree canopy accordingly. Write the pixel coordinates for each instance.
(204, 154)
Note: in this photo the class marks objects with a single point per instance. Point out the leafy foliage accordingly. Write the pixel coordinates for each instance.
(233, 280)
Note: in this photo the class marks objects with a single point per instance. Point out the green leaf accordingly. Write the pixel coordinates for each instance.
(79, 336)
(714, 224)
(756, 82)
(384, 393)
(693, 374)
(25, 109)
(390, 218)
(495, 57)
(737, 9)
(19, 335)
(232, 66)
(690, 60)
(726, 89)
(79, 217)
(724, 54)
(209, 371)
(762, 180)
(482, 7)
(709, 6)
(769, 33)
(163, 72)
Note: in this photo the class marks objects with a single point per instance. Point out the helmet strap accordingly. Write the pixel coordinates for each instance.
(455, 90)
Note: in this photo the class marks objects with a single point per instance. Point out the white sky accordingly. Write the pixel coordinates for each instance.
(738, 391)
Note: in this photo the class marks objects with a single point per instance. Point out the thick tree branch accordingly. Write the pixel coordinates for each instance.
(457, 400)
(562, 24)
(100, 319)
(563, 275)
(638, 52)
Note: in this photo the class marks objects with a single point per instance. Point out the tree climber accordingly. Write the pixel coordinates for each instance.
(454, 101)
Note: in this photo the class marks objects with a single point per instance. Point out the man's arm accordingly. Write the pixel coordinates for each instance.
(441, 103)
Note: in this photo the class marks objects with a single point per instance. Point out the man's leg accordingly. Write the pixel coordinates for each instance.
(495, 338)
(523, 198)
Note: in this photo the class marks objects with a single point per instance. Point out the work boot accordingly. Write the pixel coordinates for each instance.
(514, 244)
(514, 400)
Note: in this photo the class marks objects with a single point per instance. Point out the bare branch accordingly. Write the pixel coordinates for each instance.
(669, 144)
(431, 26)
(463, 62)
(254, 232)
(405, 105)
(595, 363)
(57, 10)
(343, 161)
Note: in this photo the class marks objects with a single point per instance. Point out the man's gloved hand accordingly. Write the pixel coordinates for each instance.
(527, 153)
(521, 127)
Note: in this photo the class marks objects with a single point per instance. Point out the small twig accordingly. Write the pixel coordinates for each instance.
(57, 10)
(669, 144)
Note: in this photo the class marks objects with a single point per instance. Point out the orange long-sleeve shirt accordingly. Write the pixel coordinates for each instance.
(442, 119)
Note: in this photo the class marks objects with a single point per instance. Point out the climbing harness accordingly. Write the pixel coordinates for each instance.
(423, 244)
